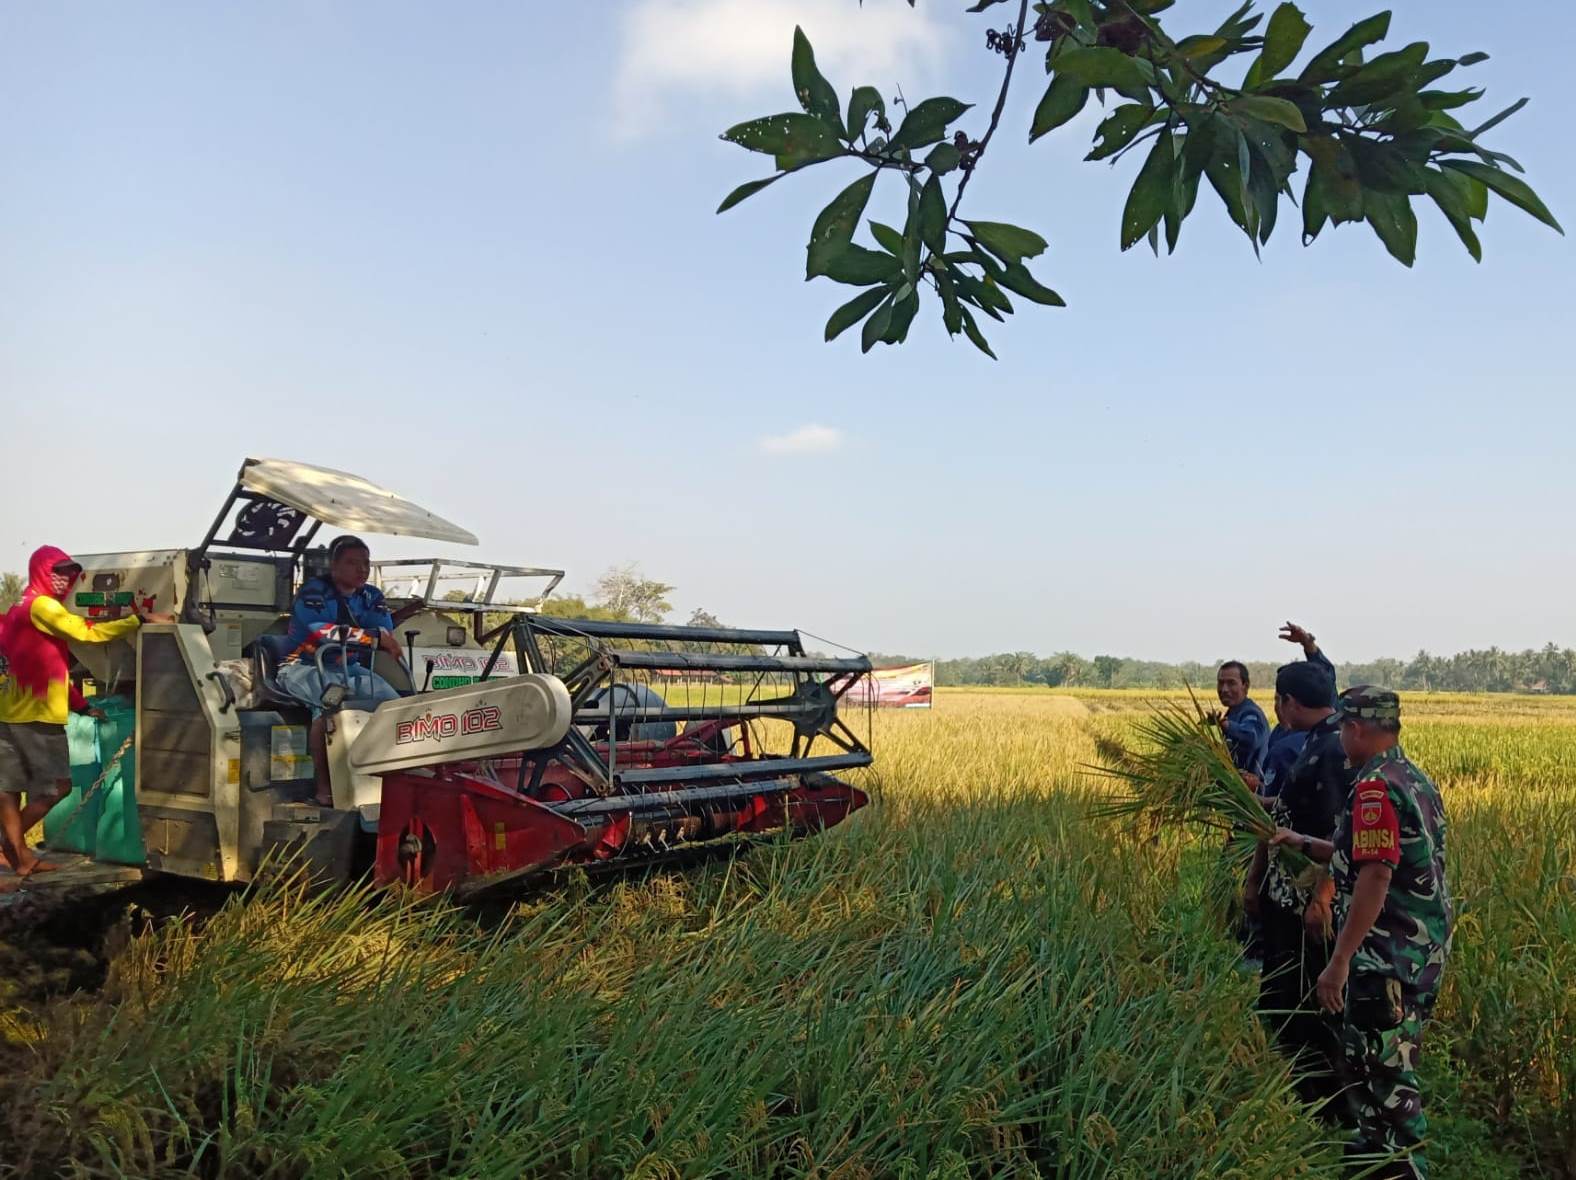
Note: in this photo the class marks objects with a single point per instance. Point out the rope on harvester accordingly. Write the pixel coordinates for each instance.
(103, 776)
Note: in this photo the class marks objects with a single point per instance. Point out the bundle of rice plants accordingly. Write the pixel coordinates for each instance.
(1176, 771)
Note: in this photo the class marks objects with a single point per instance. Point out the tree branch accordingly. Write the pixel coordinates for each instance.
(995, 115)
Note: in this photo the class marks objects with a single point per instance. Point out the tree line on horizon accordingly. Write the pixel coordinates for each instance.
(1550, 669)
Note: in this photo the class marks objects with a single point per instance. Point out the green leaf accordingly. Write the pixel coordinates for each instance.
(1016, 278)
(1010, 243)
(1081, 12)
(864, 102)
(951, 312)
(1448, 191)
(860, 267)
(1200, 45)
(902, 316)
(1103, 66)
(1283, 39)
(1315, 212)
(933, 216)
(815, 93)
(834, 227)
(1324, 66)
(794, 138)
(1393, 220)
(876, 326)
(1334, 174)
(1264, 193)
(1380, 78)
(1514, 190)
(911, 243)
(927, 122)
(1500, 118)
(1063, 99)
(1449, 100)
(972, 331)
(748, 189)
(853, 311)
(1199, 146)
(943, 158)
(1239, 22)
(1271, 110)
(887, 238)
(1119, 128)
(1227, 176)
(1183, 198)
(1382, 167)
(984, 293)
(1477, 195)
(1471, 59)
(1151, 192)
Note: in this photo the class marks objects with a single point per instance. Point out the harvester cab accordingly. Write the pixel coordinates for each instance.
(520, 742)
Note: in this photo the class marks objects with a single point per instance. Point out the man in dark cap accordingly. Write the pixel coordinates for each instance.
(1285, 743)
(1295, 914)
(1396, 919)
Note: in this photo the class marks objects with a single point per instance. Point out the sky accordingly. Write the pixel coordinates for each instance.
(469, 252)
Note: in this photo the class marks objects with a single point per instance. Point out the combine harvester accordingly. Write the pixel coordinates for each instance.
(521, 743)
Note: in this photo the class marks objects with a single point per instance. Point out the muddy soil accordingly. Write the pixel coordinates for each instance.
(55, 945)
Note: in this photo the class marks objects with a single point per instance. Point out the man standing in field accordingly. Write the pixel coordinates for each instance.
(1295, 916)
(1286, 743)
(36, 696)
(1247, 732)
(1396, 918)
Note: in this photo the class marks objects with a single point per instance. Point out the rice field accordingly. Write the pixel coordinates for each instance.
(973, 977)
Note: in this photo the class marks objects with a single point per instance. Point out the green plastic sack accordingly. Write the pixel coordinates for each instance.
(104, 826)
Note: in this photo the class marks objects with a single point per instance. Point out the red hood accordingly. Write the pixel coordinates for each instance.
(41, 569)
(35, 659)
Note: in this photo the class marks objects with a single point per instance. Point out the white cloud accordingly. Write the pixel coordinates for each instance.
(807, 440)
(736, 48)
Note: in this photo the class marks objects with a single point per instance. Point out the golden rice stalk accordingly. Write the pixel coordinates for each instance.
(1177, 771)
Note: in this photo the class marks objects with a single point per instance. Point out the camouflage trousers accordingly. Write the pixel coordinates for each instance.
(1384, 1103)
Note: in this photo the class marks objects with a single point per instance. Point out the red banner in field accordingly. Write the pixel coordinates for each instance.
(899, 688)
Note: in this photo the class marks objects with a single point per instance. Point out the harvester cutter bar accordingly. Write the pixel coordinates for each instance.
(709, 772)
(784, 708)
(663, 800)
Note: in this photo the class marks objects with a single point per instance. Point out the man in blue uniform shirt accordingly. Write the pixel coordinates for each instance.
(1246, 729)
(1285, 742)
(339, 608)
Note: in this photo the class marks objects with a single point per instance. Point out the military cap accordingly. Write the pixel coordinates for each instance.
(1364, 702)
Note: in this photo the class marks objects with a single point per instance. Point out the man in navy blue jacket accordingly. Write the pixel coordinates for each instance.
(1246, 729)
(339, 609)
(1285, 742)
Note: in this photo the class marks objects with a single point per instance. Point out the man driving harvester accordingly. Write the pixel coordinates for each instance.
(341, 608)
(37, 696)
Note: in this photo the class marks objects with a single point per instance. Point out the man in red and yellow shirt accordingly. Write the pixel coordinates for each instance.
(37, 695)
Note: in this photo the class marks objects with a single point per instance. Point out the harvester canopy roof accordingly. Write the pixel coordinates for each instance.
(347, 501)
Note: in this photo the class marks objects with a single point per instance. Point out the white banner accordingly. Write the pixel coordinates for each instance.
(909, 687)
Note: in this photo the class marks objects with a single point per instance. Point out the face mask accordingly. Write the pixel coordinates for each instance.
(60, 583)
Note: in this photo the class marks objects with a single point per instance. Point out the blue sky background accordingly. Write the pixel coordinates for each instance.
(469, 251)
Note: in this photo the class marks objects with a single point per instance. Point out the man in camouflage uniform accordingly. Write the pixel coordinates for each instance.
(1395, 915)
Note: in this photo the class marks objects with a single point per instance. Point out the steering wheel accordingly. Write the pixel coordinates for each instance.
(341, 640)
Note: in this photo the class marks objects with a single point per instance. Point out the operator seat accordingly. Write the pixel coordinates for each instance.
(268, 653)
